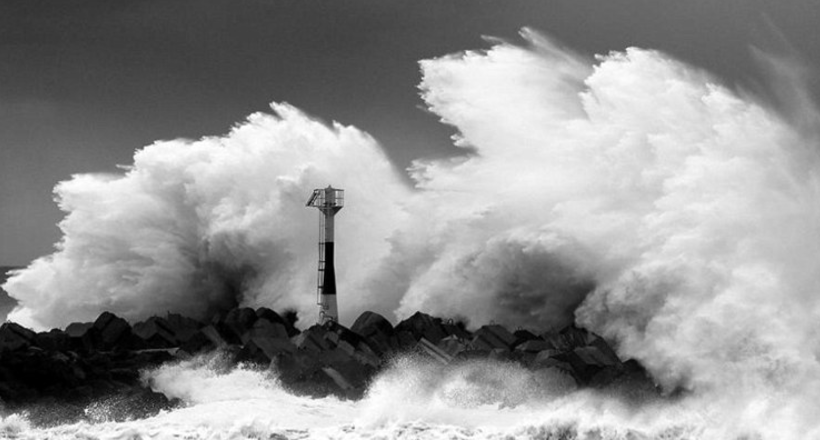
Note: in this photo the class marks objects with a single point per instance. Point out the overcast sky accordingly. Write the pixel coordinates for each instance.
(84, 83)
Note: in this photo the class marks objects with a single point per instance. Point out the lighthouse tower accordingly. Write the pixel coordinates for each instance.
(329, 201)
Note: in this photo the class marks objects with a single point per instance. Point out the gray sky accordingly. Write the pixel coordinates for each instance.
(84, 83)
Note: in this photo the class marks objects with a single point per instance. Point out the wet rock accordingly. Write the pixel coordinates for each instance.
(214, 336)
(54, 340)
(238, 322)
(102, 360)
(433, 351)
(114, 331)
(182, 328)
(15, 337)
(522, 336)
(371, 323)
(197, 343)
(456, 329)
(533, 346)
(587, 362)
(312, 339)
(491, 337)
(78, 329)
(422, 325)
(569, 338)
(264, 344)
(605, 349)
(404, 340)
(271, 316)
(263, 328)
(156, 332)
(453, 345)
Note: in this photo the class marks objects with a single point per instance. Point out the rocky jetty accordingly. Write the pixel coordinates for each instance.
(60, 374)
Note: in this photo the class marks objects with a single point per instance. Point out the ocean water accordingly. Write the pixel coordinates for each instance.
(412, 399)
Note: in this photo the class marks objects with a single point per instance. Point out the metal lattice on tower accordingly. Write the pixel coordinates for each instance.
(329, 201)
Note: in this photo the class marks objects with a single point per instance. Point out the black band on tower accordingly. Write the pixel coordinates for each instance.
(329, 279)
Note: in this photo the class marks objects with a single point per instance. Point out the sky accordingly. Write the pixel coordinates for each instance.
(83, 84)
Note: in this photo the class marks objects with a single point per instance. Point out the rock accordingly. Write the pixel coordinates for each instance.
(55, 340)
(198, 342)
(568, 338)
(294, 367)
(15, 337)
(238, 322)
(601, 344)
(456, 329)
(214, 336)
(586, 362)
(156, 332)
(452, 345)
(270, 315)
(377, 332)
(381, 344)
(71, 366)
(312, 339)
(366, 356)
(182, 328)
(371, 323)
(350, 377)
(265, 340)
(436, 353)
(533, 346)
(404, 340)
(78, 329)
(544, 355)
(337, 332)
(87, 339)
(265, 329)
(422, 325)
(113, 331)
(522, 336)
(493, 336)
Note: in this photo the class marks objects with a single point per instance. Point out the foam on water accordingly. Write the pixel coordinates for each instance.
(413, 399)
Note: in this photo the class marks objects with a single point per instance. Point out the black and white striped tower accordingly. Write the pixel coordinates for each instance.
(329, 201)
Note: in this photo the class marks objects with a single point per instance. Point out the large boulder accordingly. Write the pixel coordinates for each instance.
(78, 329)
(370, 323)
(54, 340)
(533, 346)
(83, 336)
(15, 337)
(493, 336)
(156, 332)
(457, 329)
(114, 332)
(238, 322)
(422, 325)
(270, 315)
(312, 339)
(183, 328)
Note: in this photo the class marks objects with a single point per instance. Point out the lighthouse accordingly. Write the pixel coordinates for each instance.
(329, 201)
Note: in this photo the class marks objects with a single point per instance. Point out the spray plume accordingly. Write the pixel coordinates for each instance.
(198, 227)
(630, 193)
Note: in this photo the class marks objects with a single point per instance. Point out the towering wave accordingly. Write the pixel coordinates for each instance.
(200, 226)
(630, 193)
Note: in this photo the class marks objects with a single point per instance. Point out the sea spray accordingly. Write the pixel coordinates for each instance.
(195, 227)
(412, 399)
(631, 192)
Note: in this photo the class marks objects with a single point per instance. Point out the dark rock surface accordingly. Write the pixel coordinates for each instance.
(99, 363)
